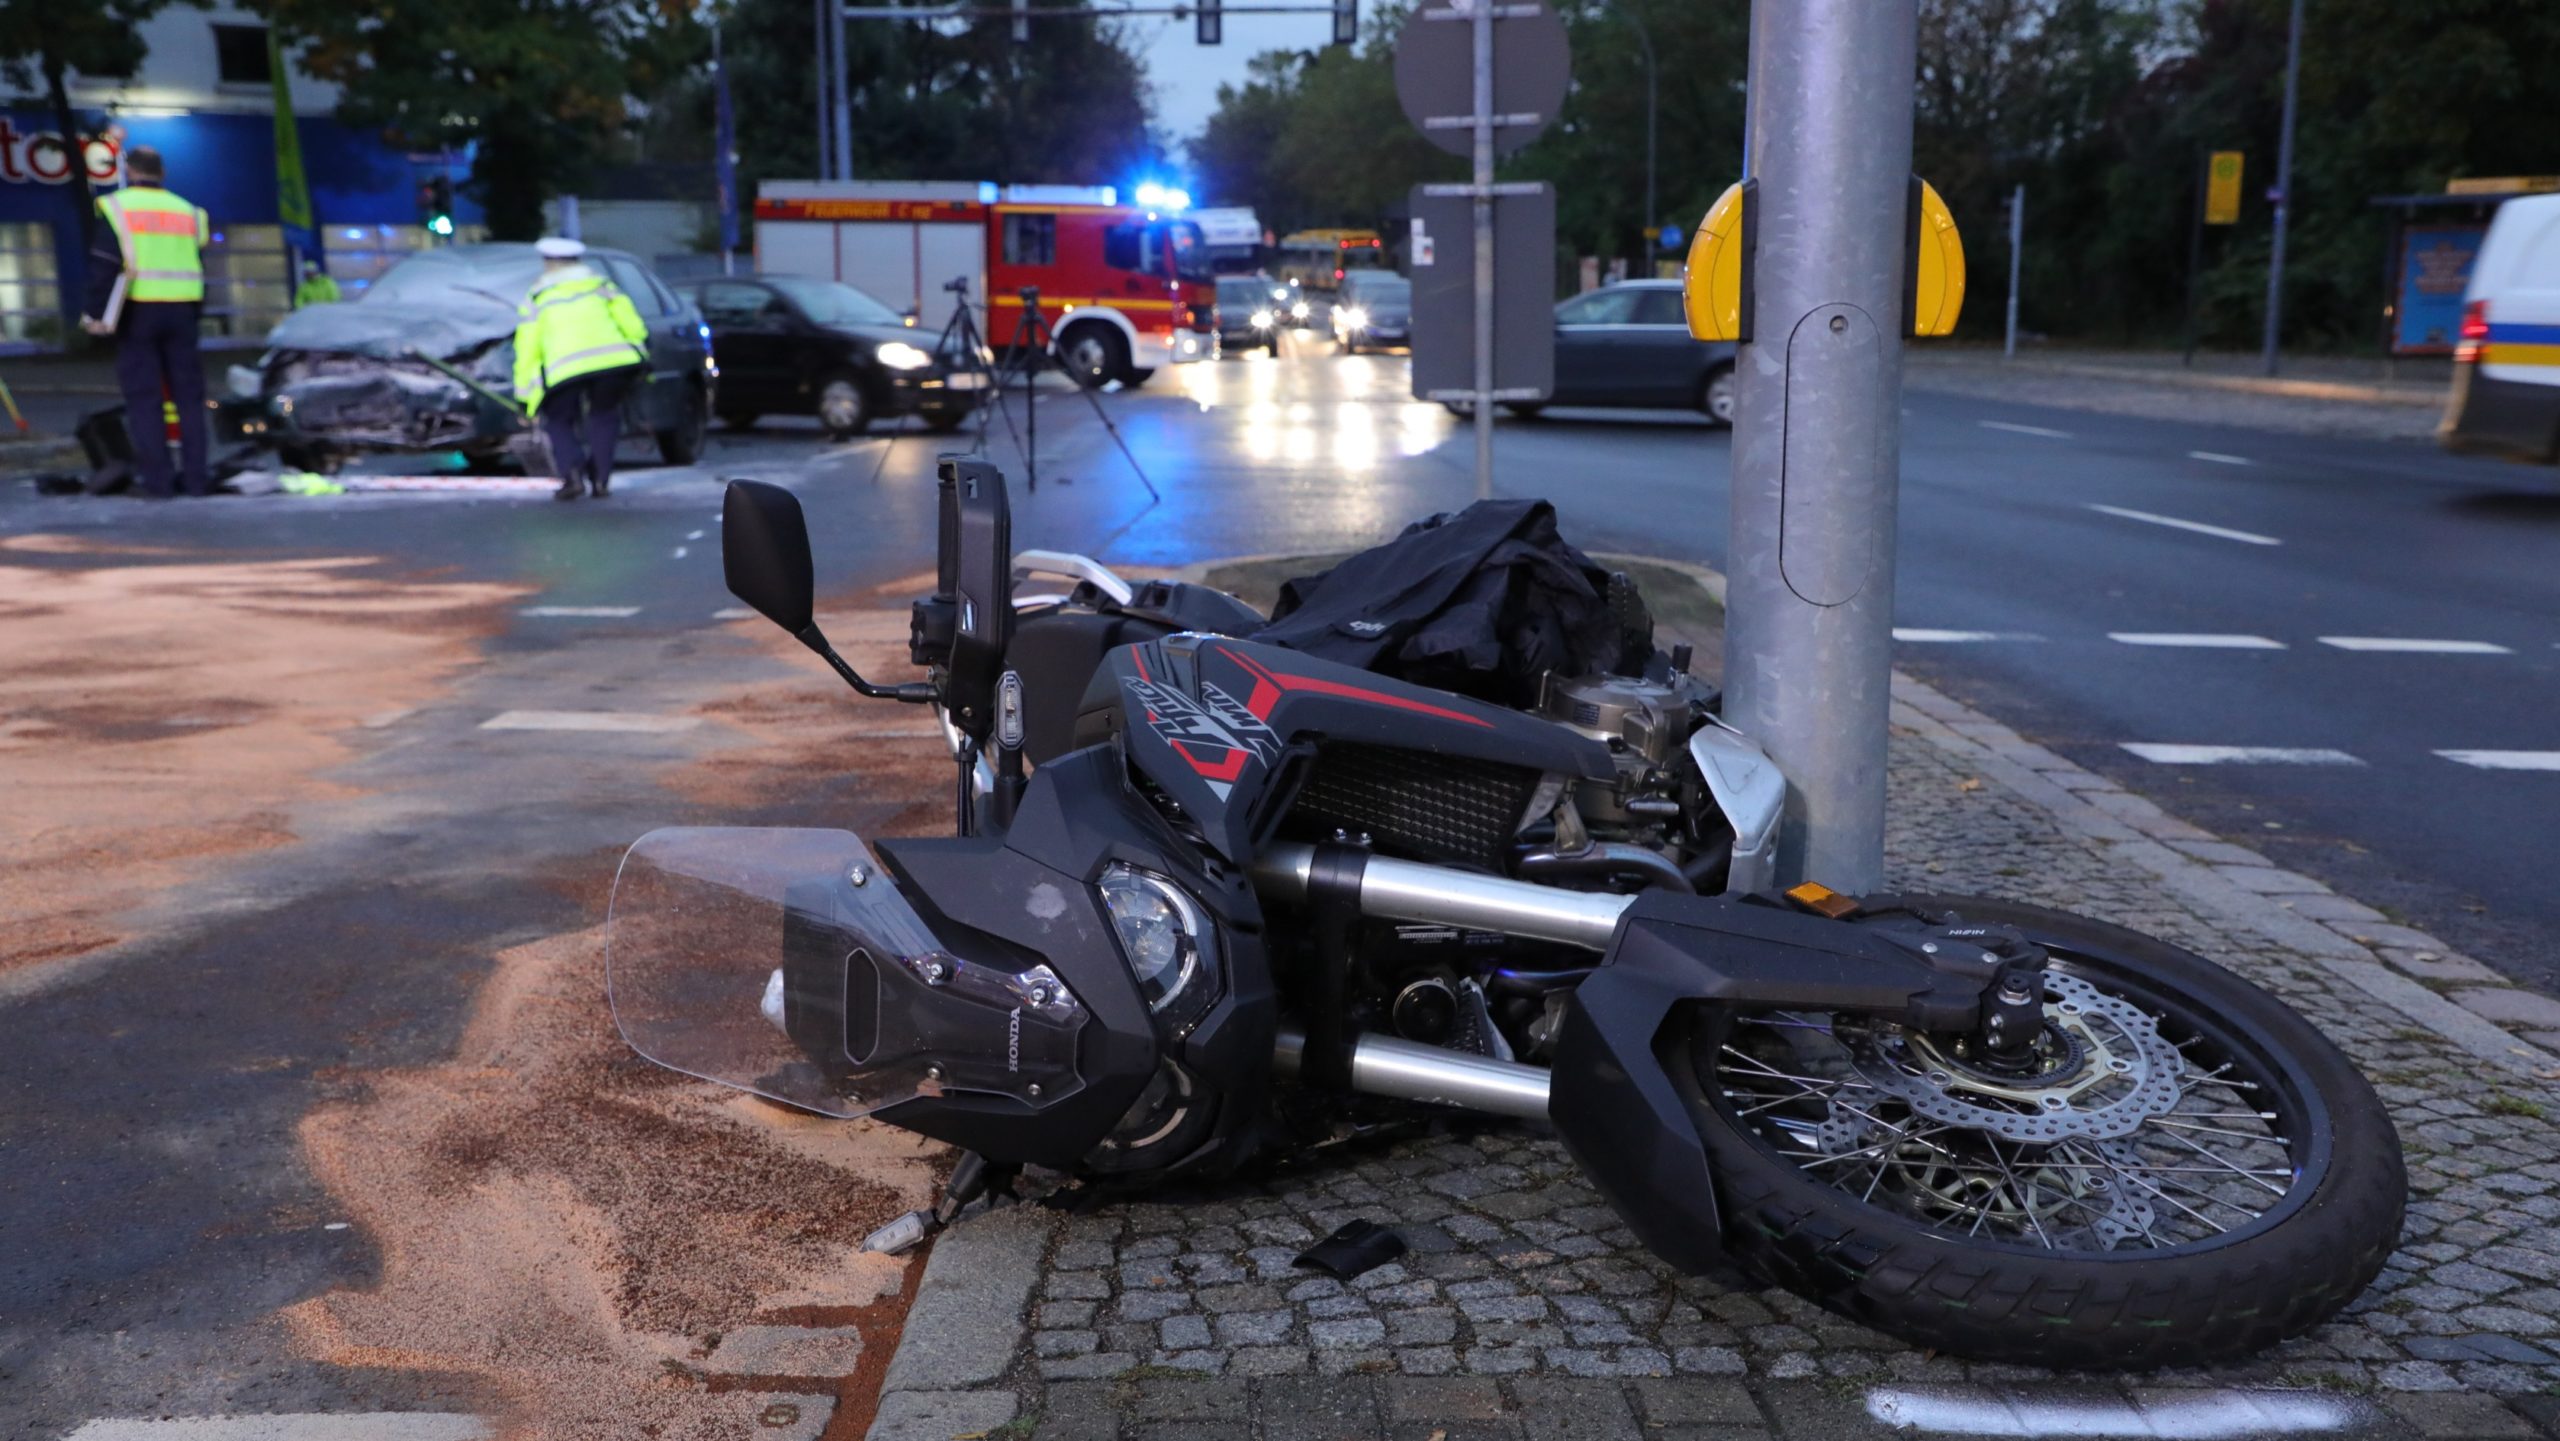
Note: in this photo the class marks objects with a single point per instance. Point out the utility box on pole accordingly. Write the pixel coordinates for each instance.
(1817, 433)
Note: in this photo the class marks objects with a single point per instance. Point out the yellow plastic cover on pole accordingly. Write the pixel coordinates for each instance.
(1711, 284)
(2222, 188)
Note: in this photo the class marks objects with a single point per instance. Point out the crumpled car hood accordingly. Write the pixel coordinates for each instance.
(389, 330)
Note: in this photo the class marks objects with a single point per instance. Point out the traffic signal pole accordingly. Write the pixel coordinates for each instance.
(1817, 436)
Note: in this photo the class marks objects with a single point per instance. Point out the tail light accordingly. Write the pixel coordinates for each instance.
(2475, 332)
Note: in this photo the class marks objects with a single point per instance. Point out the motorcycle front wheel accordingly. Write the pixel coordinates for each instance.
(2191, 1173)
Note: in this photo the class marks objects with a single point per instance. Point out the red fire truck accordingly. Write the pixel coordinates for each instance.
(1125, 289)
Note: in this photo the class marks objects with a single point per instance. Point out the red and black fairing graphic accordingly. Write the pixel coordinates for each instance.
(1209, 719)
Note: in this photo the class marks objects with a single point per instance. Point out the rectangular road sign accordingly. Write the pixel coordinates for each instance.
(2222, 188)
(1442, 257)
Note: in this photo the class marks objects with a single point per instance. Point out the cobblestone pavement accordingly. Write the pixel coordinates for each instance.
(2161, 390)
(1526, 1310)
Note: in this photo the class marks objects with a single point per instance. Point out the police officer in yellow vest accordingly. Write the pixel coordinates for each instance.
(317, 288)
(158, 245)
(580, 343)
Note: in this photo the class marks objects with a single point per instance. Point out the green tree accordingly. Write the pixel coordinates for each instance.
(537, 88)
(41, 41)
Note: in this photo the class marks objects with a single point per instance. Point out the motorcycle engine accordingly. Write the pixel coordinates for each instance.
(1645, 724)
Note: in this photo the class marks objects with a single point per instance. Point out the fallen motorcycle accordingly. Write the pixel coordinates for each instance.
(1204, 886)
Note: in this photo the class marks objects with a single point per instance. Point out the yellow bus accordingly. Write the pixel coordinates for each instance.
(1318, 259)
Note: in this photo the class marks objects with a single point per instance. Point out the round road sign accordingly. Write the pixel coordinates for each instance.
(1435, 73)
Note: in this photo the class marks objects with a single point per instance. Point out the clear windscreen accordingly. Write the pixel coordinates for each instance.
(785, 963)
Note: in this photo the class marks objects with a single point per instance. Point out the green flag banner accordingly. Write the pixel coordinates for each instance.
(293, 192)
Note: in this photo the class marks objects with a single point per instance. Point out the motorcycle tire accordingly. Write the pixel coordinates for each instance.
(1797, 1221)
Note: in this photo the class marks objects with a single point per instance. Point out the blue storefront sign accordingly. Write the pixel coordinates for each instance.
(223, 162)
(2435, 267)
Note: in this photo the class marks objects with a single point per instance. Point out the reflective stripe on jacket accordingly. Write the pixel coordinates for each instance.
(162, 238)
(574, 323)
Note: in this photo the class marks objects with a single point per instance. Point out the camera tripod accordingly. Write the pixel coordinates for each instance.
(1033, 338)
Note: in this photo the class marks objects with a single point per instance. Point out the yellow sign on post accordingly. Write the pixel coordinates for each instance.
(2222, 188)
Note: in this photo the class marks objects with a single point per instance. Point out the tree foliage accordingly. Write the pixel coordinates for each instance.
(41, 41)
(2103, 109)
(936, 102)
(539, 88)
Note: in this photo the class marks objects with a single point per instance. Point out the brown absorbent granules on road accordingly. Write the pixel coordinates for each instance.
(576, 1226)
(161, 711)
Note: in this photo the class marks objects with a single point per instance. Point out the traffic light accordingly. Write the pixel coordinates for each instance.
(1212, 17)
(435, 205)
(1346, 22)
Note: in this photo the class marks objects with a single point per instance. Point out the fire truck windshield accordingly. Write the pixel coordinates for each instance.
(1189, 253)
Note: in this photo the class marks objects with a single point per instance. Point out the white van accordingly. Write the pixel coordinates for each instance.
(2506, 370)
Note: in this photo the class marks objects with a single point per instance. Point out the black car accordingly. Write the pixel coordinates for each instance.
(424, 360)
(792, 345)
(1629, 345)
(1249, 315)
(1372, 308)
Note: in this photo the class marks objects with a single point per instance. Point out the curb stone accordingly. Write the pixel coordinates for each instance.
(967, 1319)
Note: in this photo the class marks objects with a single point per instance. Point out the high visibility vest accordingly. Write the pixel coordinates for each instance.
(315, 290)
(163, 240)
(576, 325)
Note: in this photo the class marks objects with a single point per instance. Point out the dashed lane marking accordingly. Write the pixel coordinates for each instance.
(2246, 537)
(2407, 645)
(2218, 458)
(625, 722)
(731, 612)
(1922, 635)
(580, 612)
(308, 1426)
(2186, 755)
(2506, 760)
(2201, 641)
(2015, 429)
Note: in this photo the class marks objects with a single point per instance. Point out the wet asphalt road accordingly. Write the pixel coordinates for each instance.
(158, 1210)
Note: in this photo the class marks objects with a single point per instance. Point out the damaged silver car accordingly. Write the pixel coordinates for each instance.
(424, 361)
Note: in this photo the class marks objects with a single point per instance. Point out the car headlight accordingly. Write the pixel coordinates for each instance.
(898, 355)
(1354, 317)
(1282, 293)
(1262, 320)
(1298, 311)
(1162, 935)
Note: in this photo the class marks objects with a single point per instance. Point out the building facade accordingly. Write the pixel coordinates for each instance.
(204, 98)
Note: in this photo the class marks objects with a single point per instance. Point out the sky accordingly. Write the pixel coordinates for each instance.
(1186, 74)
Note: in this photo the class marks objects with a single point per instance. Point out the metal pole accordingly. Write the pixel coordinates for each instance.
(1817, 440)
(826, 152)
(2195, 253)
(1652, 218)
(2284, 188)
(1481, 18)
(2017, 236)
(843, 91)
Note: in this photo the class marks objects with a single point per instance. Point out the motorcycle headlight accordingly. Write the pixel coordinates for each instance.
(1162, 935)
(898, 355)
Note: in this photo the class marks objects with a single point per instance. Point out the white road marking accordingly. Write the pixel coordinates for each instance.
(731, 612)
(2224, 1415)
(680, 552)
(1922, 635)
(629, 722)
(2218, 458)
(307, 1426)
(2199, 527)
(2202, 641)
(693, 535)
(2025, 429)
(2417, 647)
(579, 612)
(2182, 755)
(2506, 760)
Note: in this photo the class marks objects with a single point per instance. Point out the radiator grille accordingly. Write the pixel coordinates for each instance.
(1414, 803)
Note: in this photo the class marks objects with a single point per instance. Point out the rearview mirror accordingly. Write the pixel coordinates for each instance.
(764, 553)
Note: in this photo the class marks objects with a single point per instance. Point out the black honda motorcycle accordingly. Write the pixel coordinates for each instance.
(1203, 888)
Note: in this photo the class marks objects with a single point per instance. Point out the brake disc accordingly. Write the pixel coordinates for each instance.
(2128, 1073)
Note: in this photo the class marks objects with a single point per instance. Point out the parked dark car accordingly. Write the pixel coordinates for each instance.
(1373, 307)
(793, 345)
(1629, 345)
(1252, 311)
(379, 373)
